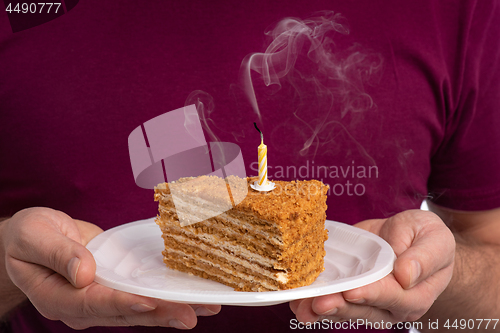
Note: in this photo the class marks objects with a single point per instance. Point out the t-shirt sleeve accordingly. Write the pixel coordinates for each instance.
(465, 171)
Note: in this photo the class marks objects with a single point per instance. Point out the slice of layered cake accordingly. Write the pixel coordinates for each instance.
(267, 241)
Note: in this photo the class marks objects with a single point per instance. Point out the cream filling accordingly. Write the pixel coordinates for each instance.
(248, 255)
(196, 210)
(200, 206)
(273, 240)
(242, 276)
(218, 242)
(281, 276)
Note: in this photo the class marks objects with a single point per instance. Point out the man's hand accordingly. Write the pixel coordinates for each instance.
(46, 258)
(425, 249)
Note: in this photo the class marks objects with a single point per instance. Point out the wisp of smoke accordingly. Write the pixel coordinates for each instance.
(205, 105)
(327, 79)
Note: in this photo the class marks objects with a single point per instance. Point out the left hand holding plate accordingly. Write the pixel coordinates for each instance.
(425, 249)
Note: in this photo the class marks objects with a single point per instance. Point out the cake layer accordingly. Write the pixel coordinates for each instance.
(208, 271)
(221, 246)
(221, 236)
(232, 268)
(244, 222)
(285, 207)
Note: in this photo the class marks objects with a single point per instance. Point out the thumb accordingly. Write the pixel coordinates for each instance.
(423, 244)
(50, 239)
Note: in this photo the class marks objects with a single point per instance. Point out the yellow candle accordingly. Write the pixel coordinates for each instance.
(262, 163)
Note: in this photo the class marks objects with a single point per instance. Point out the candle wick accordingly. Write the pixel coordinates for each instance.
(261, 134)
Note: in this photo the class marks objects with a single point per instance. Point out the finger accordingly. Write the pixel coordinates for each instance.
(356, 313)
(423, 244)
(327, 305)
(55, 297)
(166, 314)
(386, 293)
(372, 226)
(97, 301)
(334, 307)
(96, 305)
(206, 309)
(87, 231)
(304, 312)
(294, 305)
(404, 305)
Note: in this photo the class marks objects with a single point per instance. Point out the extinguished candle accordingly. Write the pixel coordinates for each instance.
(262, 159)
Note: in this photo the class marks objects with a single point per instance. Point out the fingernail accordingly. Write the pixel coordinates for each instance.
(176, 323)
(415, 272)
(330, 312)
(140, 307)
(203, 311)
(333, 319)
(73, 266)
(356, 300)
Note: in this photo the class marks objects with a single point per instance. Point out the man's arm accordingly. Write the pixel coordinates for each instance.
(474, 291)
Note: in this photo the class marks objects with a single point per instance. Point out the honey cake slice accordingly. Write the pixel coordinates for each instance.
(268, 241)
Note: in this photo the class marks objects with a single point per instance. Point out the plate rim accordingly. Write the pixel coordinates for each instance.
(232, 297)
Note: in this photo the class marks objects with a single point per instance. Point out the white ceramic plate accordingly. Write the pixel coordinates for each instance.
(129, 258)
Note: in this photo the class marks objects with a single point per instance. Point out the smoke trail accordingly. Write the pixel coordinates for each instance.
(205, 105)
(327, 79)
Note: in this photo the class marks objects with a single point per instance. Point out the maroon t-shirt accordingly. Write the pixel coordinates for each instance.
(403, 108)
